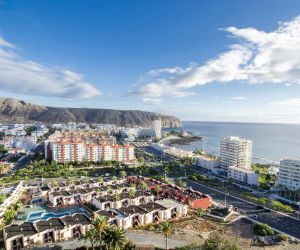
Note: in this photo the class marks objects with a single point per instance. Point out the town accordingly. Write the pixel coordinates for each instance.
(61, 184)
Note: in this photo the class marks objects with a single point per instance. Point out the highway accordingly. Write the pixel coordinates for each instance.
(278, 221)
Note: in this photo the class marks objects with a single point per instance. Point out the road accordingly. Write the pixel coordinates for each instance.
(24, 161)
(279, 221)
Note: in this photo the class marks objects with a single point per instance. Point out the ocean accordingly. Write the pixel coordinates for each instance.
(271, 142)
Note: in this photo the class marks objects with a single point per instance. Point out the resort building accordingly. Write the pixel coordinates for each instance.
(236, 152)
(144, 214)
(90, 146)
(242, 175)
(124, 199)
(207, 162)
(289, 174)
(41, 225)
(28, 234)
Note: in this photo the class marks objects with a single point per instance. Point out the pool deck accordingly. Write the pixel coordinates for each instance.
(25, 212)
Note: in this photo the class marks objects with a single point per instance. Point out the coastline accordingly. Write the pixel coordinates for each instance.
(182, 141)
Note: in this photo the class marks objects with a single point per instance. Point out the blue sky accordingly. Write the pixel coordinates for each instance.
(198, 60)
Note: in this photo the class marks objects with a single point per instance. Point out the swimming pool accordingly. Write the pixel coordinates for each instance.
(34, 213)
(44, 216)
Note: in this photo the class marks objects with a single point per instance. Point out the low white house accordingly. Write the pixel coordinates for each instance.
(174, 208)
(207, 163)
(243, 175)
(62, 198)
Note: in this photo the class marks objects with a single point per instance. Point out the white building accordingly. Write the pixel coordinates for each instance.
(236, 151)
(157, 128)
(289, 174)
(207, 162)
(242, 175)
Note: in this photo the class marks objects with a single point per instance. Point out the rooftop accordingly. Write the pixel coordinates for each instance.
(27, 229)
(44, 225)
(167, 203)
(151, 206)
(132, 210)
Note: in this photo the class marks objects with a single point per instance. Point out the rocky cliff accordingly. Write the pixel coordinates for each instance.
(13, 110)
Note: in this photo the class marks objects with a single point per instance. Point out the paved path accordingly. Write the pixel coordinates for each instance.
(138, 238)
(157, 241)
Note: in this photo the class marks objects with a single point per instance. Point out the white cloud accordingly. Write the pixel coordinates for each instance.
(257, 57)
(291, 102)
(21, 76)
(238, 98)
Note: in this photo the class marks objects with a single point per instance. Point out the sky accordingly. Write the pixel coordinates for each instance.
(204, 60)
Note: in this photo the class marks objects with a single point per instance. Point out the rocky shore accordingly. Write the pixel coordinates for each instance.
(181, 139)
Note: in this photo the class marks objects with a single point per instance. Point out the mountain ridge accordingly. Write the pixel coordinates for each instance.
(14, 110)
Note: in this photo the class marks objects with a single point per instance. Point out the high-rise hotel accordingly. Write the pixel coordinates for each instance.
(236, 152)
(289, 174)
(90, 146)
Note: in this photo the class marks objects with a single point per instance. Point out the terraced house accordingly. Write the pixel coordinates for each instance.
(183, 195)
(28, 234)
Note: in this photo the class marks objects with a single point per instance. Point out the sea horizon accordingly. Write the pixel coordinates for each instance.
(271, 141)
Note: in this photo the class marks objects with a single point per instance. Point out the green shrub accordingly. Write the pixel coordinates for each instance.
(283, 237)
(193, 177)
(278, 205)
(263, 230)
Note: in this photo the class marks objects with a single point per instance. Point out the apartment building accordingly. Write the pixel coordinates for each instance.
(289, 174)
(26, 143)
(90, 146)
(156, 125)
(236, 152)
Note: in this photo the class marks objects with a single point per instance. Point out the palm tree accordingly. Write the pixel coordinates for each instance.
(144, 187)
(132, 192)
(92, 236)
(157, 190)
(165, 171)
(100, 180)
(114, 238)
(85, 179)
(123, 174)
(129, 245)
(100, 224)
(54, 183)
(166, 229)
(116, 197)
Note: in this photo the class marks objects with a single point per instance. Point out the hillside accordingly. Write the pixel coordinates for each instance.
(13, 110)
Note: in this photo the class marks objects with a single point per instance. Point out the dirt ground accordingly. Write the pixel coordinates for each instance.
(196, 230)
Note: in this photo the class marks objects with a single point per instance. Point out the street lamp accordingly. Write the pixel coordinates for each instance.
(299, 210)
(225, 199)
